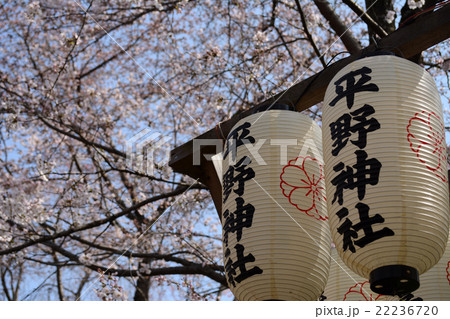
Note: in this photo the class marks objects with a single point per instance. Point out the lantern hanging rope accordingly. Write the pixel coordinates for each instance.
(386, 171)
(276, 236)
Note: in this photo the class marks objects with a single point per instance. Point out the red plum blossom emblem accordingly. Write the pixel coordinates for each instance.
(448, 273)
(361, 292)
(428, 142)
(301, 182)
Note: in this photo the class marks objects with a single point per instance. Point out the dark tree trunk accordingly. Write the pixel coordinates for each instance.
(142, 288)
(378, 10)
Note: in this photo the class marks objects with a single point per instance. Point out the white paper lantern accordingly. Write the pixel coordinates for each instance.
(275, 229)
(386, 171)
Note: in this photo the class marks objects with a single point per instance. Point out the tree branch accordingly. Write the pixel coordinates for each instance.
(83, 282)
(308, 34)
(130, 254)
(105, 62)
(189, 269)
(59, 283)
(371, 23)
(5, 286)
(338, 26)
(82, 139)
(45, 238)
(377, 10)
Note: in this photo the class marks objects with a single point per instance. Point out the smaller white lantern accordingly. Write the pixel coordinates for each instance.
(276, 237)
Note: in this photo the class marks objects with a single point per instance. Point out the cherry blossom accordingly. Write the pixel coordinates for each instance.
(390, 16)
(79, 79)
(110, 290)
(426, 138)
(302, 182)
(416, 4)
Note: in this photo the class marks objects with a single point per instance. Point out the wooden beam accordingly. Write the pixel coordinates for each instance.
(210, 179)
(407, 41)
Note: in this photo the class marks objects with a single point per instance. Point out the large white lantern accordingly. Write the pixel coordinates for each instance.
(276, 237)
(386, 171)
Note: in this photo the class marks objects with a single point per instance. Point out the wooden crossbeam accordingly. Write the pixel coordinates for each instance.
(407, 42)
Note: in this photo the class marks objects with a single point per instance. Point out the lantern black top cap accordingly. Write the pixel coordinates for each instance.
(376, 53)
(276, 106)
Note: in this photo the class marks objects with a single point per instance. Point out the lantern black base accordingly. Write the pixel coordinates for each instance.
(394, 280)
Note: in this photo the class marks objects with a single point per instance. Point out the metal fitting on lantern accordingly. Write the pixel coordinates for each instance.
(394, 280)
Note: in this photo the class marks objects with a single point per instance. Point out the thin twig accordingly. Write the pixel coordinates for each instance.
(371, 23)
(308, 34)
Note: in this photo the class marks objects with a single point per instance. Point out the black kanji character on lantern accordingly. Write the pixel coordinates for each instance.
(353, 87)
(237, 220)
(342, 129)
(346, 230)
(367, 172)
(344, 180)
(230, 266)
(239, 174)
(349, 231)
(236, 138)
(364, 125)
(340, 133)
(364, 172)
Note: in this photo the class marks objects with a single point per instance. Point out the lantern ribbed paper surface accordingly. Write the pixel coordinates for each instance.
(276, 235)
(344, 285)
(386, 171)
(435, 283)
